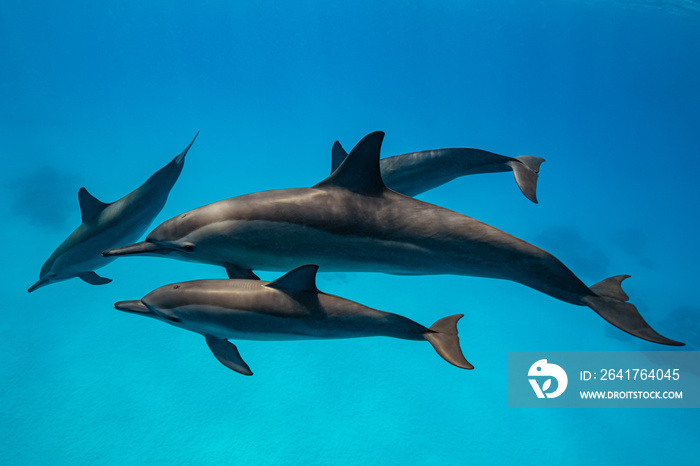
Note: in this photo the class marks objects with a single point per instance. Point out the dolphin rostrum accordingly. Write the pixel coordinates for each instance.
(351, 222)
(108, 225)
(289, 308)
(417, 172)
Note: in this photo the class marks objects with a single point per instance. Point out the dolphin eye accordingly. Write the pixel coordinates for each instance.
(188, 247)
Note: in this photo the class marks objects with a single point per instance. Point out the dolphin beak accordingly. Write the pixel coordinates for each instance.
(142, 248)
(134, 307)
(39, 284)
(139, 307)
(180, 158)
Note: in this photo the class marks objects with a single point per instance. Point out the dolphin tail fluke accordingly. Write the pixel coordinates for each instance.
(182, 154)
(610, 303)
(526, 169)
(443, 337)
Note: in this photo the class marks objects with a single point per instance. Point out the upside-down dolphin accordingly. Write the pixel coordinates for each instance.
(289, 308)
(417, 172)
(351, 222)
(106, 226)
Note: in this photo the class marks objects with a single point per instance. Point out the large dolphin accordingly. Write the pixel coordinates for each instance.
(351, 222)
(289, 308)
(416, 172)
(106, 226)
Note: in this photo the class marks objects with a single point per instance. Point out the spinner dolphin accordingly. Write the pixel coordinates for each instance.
(108, 225)
(416, 172)
(351, 222)
(289, 308)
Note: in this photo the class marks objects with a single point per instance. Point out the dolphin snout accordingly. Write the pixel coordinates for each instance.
(37, 285)
(139, 307)
(134, 306)
(144, 248)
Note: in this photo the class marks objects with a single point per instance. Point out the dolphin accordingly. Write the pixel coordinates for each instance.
(352, 222)
(289, 308)
(108, 225)
(417, 172)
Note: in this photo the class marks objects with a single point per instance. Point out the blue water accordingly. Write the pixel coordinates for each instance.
(101, 95)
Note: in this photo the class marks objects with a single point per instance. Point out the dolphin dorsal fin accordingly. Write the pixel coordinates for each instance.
(360, 172)
(338, 154)
(90, 206)
(302, 278)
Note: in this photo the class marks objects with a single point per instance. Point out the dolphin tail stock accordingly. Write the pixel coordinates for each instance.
(610, 302)
(443, 336)
(526, 169)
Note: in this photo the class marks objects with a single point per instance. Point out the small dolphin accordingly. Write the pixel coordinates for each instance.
(417, 172)
(289, 308)
(351, 222)
(108, 225)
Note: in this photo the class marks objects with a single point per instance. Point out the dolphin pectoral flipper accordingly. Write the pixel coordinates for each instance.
(227, 354)
(526, 169)
(610, 303)
(443, 337)
(93, 279)
(234, 271)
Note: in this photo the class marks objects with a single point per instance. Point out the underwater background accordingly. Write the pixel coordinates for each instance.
(102, 95)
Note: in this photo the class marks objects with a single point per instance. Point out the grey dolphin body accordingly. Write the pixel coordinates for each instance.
(416, 172)
(351, 222)
(289, 308)
(108, 225)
